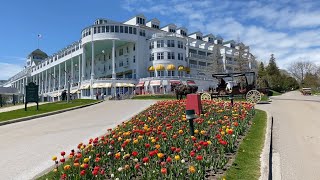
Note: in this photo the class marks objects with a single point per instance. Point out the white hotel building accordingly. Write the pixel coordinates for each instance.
(125, 57)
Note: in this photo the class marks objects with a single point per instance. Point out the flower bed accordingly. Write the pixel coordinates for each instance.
(157, 144)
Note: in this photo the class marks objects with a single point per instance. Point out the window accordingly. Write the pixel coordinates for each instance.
(107, 28)
(171, 73)
(99, 29)
(170, 55)
(134, 47)
(151, 45)
(130, 30)
(180, 56)
(116, 28)
(127, 61)
(180, 44)
(94, 30)
(120, 63)
(172, 30)
(151, 56)
(126, 29)
(120, 52)
(199, 37)
(104, 57)
(180, 73)
(158, 44)
(142, 32)
(162, 43)
(134, 59)
(152, 74)
(112, 28)
(160, 73)
(160, 55)
(134, 30)
(121, 29)
(170, 43)
(127, 49)
(183, 33)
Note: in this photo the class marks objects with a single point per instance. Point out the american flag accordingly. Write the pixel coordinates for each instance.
(39, 36)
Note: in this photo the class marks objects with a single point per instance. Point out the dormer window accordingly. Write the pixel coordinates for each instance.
(155, 26)
(183, 33)
(219, 41)
(232, 46)
(172, 30)
(199, 37)
(210, 39)
(140, 20)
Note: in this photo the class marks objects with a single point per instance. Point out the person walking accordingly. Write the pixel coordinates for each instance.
(102, 96)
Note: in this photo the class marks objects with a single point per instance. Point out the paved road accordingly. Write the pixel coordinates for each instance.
(296, 135)
(27, 147)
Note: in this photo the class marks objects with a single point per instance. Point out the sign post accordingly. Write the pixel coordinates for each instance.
(31, 94)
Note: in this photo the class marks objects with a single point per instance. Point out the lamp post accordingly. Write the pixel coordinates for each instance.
(190, 115)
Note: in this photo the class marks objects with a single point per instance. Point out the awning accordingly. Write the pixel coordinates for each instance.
(171, 67)
(181, 68)
(140, 84)
(160, 67)
(164, 82)
(175, 82)
(155, 83)
(151, 68)
(146, 83)
(187, 69)
(101, 85)
(73, 91)
(125, 85)
(85, 86)
(191, 83)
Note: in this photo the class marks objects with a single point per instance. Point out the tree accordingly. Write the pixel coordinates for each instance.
(216, 65)
(300, 68)
(261, 70)
(241, 57)
(311, 80)
(272, 68)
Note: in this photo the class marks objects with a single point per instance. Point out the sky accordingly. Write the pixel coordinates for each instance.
(289, 29)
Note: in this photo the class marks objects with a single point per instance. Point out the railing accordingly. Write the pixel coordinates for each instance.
(198, 56)
(166, 34)
(176, 78)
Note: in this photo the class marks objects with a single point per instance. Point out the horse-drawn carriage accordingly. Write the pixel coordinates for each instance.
(235, 84)
(306, 91)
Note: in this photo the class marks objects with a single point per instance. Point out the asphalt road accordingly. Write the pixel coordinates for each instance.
(296, 136)
(27, 147)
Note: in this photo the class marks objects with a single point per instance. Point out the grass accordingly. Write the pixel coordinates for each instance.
(45, 108)
(275, 93)
(155, 96)
(247, 162)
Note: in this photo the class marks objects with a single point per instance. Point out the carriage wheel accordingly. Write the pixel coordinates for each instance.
(253, 96)
(205, 96)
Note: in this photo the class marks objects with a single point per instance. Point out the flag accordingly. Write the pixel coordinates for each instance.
(39, 36)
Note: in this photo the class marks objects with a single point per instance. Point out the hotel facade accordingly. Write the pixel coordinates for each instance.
(135, 56)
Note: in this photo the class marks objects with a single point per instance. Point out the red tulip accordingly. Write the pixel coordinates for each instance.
(94, 172)
(62, 160)
(83, 172)
(169, 160)
(164, 170)
(192, 153)
(63, 153)
(147, 145)
(134, 153)
(145, 159)
(199, 157)
(137, 166)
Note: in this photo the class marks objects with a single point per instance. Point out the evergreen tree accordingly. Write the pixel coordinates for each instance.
(261, 70)
(272, 68)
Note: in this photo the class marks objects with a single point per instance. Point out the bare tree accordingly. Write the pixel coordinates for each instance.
(216, 65)
(241, 56)
(300, 68)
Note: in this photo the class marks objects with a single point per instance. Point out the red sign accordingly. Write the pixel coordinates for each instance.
(194, 102)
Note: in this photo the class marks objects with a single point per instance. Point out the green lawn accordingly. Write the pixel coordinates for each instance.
(155, 96)
(275, 93)
(45, 108)
(247, 162)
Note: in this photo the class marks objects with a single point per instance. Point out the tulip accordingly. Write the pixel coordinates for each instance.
(135, 153)
(164, 170)
(199, 157)
(192, 169)
(54, 158)
(63, 153)
(177, 157)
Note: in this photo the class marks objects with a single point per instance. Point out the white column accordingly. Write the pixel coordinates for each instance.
(42, 82)
(54, 80)
(113, 59)
(46, 82)
(83, 62)
(59, 83)
(72, 75)
(65, 74)
(50, 76)
(92, 60)
(79, 63)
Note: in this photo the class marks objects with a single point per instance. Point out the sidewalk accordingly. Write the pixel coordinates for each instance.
(21, 106)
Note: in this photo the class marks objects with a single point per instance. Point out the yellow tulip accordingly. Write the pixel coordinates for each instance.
(153, 141)
(180, 131)
(140, 137)
(196, 131)
(86, 160)
(54, 158)
(135, 141)
(192, 169)
(157, 146)
(177, 157)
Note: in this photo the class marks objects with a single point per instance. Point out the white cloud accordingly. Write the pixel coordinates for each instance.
(8, 70)
(288, 29)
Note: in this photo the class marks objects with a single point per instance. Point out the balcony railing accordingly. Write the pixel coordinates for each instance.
(198, 56)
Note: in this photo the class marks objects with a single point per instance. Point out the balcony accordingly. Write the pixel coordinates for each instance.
(197, 56)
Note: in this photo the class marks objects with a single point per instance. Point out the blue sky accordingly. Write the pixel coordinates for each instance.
(290, 29)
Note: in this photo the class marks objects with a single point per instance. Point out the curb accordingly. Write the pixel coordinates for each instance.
(266, 155)
(45, 114)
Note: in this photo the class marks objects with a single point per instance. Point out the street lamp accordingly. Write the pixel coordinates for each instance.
(190, 115)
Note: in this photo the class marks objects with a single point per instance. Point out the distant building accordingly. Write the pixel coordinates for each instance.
(2, 82)
(132, 56)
